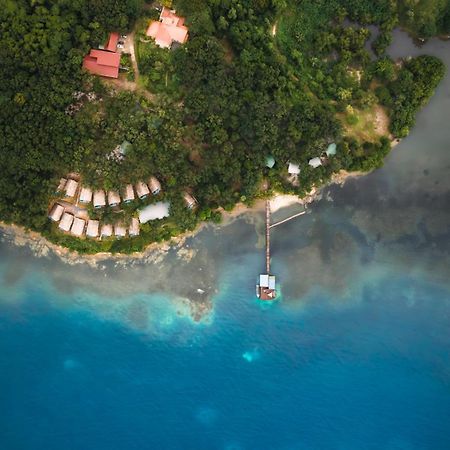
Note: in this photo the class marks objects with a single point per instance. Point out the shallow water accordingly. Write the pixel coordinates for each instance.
(355, 354)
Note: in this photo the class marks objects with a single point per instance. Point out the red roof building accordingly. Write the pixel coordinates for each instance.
(102, 62)
(168, 30)
(111, 46)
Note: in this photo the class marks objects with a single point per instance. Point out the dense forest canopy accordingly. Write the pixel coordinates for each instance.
(256, 78)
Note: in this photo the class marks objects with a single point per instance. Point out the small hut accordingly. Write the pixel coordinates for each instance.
(154, 185)
(92, 228)
(113, 198)
(315, 162)
(99, 199)
(293, 169)
(78, 227)
(61, 185)
(120, 231)
(331, 149)
(106, 230)
(189, 200)
(56, 213)
(85, 195)
(142, 190)
(66, 221)
(128, 193)
(270, 161)
(134, 227)
(71, 188)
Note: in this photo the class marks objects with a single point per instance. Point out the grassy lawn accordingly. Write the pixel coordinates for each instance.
(365, 124)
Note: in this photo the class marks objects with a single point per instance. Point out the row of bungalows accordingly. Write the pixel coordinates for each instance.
(100, 199)
(78, 226)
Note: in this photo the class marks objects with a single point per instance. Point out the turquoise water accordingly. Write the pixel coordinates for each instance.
(355, 354)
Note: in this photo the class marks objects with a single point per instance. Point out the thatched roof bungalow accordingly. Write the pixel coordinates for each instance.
(56, 213)
(189, 200)
(134, 227)
(66, 222)
(71, 188)
(128, 193)
(142, 190)
(106, 230)
(113, 198)
(154, 185)
(78, 227)
(93, 228)
(99, 199)
(85, 195)
(119, 230)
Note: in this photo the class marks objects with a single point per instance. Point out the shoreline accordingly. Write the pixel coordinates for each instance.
(42, 247)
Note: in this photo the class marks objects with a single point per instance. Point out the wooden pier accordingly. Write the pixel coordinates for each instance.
(267, 236)
(265, 289)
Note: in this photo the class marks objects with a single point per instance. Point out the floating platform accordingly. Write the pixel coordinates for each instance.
(265, 290)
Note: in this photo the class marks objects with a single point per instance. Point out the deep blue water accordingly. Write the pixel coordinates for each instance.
(372, 375)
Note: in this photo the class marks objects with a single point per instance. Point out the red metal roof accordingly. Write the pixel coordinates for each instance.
(104, 63)
(111, 46)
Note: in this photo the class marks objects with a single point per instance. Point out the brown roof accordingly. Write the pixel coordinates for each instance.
(189, 200)
(120, 230)
(99, 198)
(113, 198)
(56, 212)
(66, 222)
(78, 226)
(85, 195)
(71, 188)
(92, 228)
(142, 189)
(134, 227)
(154, 185)
(106, 230)
(128, 193)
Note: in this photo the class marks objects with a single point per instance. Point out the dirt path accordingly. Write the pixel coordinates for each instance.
(129, 48)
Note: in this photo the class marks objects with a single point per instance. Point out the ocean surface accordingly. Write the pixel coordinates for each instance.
(354, 355)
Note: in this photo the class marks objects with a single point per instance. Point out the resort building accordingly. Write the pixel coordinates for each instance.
(85, 195)
(56, 213)
(154, 185)
(293, 169)
(120, 231)
(71, 188)
(99, 199)
(106, 230)
(93, 228)
(66, 222)
(134, 227)
(113, 198)
(104, 62)
(142, 190)
(128, 193)
(158, 210)
(170, 29)
(315, 162)
(78, 227)
(189, 200)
